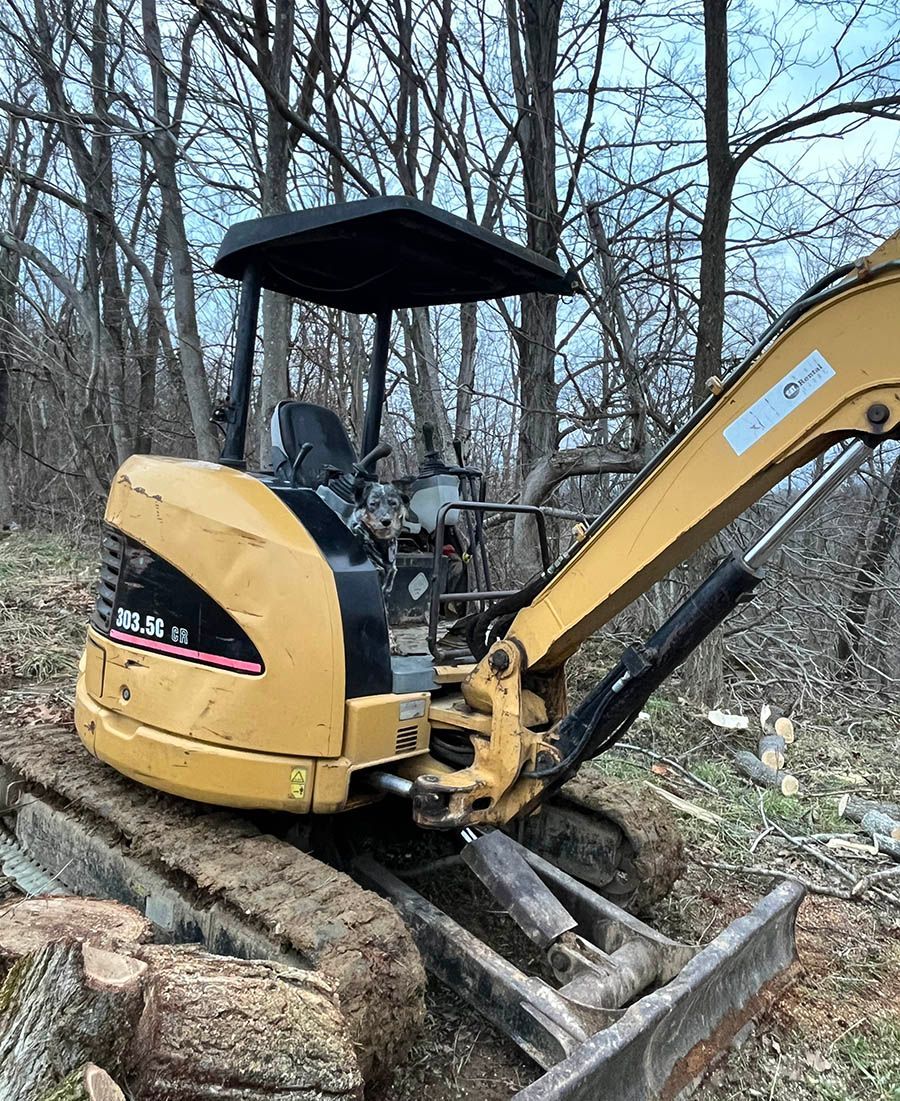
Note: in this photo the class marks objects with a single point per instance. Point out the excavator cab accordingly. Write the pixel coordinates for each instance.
(376, 257)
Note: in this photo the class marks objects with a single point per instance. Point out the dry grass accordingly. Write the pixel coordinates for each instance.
(46, 593)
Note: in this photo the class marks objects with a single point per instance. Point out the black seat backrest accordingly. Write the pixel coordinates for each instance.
(295, 423)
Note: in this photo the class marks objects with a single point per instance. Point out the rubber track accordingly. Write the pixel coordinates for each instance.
(353, 937)
(657, 857)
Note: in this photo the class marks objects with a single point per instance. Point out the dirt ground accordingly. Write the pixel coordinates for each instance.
(834, 1036)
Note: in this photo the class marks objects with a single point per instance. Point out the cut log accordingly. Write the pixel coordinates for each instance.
(726, 721)
(887, 845)
(856, 808)
(61, 1007)
(177, 1023)
(216, 1026)
(773, 720)
(88, 1083)
(27, 924)
(771, 750)
(753, 768)
(876, 821)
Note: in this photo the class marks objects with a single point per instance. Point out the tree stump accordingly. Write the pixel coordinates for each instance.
(65, 1005)
(28, 924)
(216, 1026)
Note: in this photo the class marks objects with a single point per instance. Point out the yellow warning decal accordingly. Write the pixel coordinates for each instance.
(298, 783)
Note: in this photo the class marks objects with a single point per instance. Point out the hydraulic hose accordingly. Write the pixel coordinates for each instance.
(607, 711)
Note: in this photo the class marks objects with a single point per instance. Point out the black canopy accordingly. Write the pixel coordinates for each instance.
(384, 254)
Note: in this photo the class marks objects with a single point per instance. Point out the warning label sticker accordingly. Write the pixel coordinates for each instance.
(298, 783)
(784, 397)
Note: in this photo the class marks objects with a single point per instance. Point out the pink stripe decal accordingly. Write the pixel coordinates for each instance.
(186, 652)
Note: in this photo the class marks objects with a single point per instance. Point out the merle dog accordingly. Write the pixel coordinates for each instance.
(378, 517)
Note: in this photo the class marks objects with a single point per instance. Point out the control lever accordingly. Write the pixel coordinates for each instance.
(366, 466)
(298, 462)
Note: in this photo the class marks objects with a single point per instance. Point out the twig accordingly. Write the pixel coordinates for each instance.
(671, 763)
(874, 877)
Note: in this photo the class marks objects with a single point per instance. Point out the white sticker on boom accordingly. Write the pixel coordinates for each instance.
(777, 403)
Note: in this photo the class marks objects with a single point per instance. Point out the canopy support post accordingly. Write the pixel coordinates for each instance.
(375, 394)
(239, 394)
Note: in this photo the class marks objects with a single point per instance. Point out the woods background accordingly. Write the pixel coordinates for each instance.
(698, 164)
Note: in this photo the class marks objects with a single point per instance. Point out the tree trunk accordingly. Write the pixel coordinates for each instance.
(164, 147)
(720, 183)
(704, 671)
(465, 379)
(274, 47)
(533, 84)
(871, 570)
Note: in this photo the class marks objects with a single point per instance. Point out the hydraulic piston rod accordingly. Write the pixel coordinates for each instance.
(607, 711)
(841, 469)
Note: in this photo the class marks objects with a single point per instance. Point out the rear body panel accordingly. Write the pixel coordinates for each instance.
(215, 666)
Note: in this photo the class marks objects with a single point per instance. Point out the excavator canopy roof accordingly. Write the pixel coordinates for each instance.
(384, 254)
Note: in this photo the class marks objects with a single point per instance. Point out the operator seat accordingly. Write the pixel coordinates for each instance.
(295, 423)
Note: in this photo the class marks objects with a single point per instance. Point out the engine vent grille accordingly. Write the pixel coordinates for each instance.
(407, 739)
(112, 550)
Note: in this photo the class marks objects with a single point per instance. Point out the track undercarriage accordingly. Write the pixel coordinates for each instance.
(603, 997)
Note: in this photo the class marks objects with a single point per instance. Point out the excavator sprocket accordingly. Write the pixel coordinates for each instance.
(615, 835)
(653, 856)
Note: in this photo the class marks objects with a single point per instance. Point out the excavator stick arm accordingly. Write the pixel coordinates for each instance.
(831, 374)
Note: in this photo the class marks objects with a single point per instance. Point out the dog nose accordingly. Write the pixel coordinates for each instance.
(386, 523)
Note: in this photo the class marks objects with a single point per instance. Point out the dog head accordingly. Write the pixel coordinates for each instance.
(382, 508)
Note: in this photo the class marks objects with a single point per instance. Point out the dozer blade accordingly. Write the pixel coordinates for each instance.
(634, 1015)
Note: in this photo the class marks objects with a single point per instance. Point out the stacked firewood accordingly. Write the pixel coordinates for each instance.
(88, 1006)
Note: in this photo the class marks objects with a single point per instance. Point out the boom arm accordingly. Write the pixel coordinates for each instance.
(832, 374)
(707, 481)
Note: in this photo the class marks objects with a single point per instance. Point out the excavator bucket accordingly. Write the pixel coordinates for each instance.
(633, 1015)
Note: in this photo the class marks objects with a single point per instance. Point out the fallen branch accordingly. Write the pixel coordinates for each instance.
(779, 873)
(872, 878)
(670, 762)
(686, 807)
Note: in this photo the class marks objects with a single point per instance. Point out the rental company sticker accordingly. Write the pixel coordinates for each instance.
(777, 403)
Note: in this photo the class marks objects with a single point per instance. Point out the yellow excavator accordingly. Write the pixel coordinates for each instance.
(243, 651)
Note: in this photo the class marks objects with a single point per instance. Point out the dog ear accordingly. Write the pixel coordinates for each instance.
(404, 497)
(361, 492)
